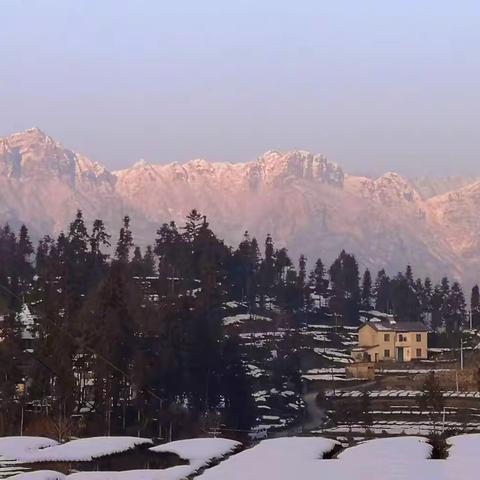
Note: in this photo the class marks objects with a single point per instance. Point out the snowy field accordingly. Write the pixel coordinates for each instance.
(286, 458)
(464, 447)
(396, 394)
(399, 427)
(396, 449)
(301, 458)
(276, 459)
(82, 450)
(199, 452)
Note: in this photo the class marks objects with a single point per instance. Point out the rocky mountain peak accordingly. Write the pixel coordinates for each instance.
(393, 188)
(32, 154)
(142, 163)
(275, 166)
(33, 138)
(200, 166)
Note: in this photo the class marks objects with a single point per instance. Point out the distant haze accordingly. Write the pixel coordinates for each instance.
(374, 85)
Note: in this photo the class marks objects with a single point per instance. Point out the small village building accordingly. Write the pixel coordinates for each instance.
(387, 339)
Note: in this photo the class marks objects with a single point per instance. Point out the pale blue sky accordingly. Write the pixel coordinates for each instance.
(375, 85)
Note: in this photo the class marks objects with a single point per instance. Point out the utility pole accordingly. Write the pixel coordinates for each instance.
(21, 422)
(461, 354)
(333, 381)
(443, 420)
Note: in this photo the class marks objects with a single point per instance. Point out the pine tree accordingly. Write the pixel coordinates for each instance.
(75, 272)
(112, 314)
(42, 254)
(246, 266)
(204, 359)
(302, 270)
(366, 291)
(125, 241)
(282, 263)
(149, 262)
(458, 314)
(427, 295)
(98, 239)
(8, 275)
(344, 278)
(404, 299)
(445, 287)
(286, 368)
(318, 280)
(78, 238)
(284, 279)
(10, 374)
(475, 307)
(436, 304)
(24, 251)
(209, 265)
(382, 292)
(136, 264)
(445, 308)
(409, 275)
(194, 223)
(269, 264)
(175, 265)
(302, 292)
(239, 409)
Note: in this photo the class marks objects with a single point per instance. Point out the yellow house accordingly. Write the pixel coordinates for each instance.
(391, 340)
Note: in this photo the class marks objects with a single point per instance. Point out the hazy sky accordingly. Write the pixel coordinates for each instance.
(375, 85)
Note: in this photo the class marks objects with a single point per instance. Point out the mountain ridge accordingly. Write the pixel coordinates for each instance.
(308, 203)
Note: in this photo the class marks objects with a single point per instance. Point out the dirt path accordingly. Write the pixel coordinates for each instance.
(315, 415)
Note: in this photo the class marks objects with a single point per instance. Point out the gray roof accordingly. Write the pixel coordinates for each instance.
(397, 325)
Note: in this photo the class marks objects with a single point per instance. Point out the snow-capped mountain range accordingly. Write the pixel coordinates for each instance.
(306, 202)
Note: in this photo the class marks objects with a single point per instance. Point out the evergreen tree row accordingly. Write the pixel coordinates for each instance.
(135, 338)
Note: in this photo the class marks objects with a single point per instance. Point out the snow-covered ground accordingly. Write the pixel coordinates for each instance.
(334, 355)
(398, 427)
(81, 450)
(395, 449)
(12, 448)
(403, 458)
(464, 447)
(182, 472)
(276, 459)
(400, 458)
(40, 475)
(331, 378)
(243, 317)
(397, 394)
(200, 452)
